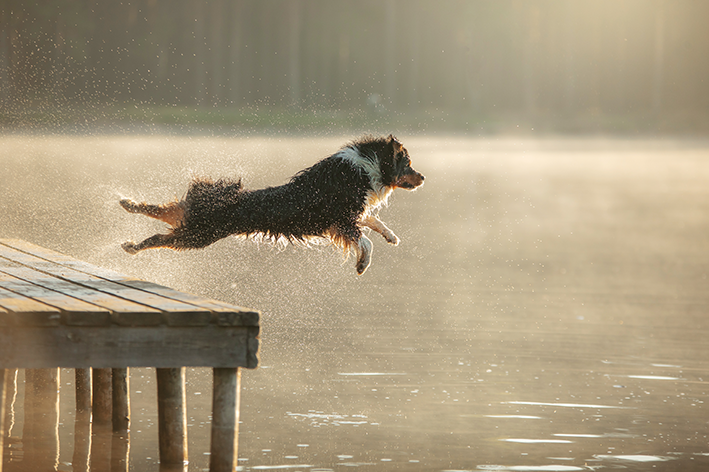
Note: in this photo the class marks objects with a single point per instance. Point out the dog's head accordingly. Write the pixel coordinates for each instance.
(396, 166)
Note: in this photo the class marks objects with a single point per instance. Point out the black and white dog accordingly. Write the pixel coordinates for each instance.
(333, 199)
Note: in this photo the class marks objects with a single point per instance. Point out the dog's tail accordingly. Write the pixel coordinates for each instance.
(208, 206)
(203, 188)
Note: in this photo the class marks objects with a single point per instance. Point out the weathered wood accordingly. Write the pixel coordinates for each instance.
(102, 393)
(116, 346)
(107, 274)
(213, 305)
(15, 298)
(82, 384)
(172, 416)
(252, 346)
(56, 311)
(66, 295)
(133, 302)
(225, 420)
(100, 292)
(240, 318)
(30, 248)
(18, 309)
(86, 280)
(121, 400)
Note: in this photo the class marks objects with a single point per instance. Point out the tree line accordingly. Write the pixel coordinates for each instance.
(531, 56)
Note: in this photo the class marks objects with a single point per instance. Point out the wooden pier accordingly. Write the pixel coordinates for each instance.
(56, 311)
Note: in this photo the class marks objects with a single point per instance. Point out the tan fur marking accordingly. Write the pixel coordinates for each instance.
(377, 225)
(172, 213)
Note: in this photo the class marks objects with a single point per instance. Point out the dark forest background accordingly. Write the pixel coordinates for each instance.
(554, 59)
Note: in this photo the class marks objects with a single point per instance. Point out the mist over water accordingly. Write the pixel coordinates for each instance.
(545, 310)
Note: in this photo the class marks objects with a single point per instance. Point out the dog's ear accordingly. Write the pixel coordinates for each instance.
(395, 143)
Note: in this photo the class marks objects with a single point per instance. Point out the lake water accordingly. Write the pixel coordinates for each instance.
(546, 310)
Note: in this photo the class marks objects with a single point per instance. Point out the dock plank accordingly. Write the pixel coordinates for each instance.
(98, 301)
(88, 280)
(41, 252)
(45, 295)
(113, 276)
(14, 305)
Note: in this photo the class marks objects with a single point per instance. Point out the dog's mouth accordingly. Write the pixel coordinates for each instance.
(409, 181)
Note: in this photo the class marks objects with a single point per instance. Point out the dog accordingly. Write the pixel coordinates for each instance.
(334, 199)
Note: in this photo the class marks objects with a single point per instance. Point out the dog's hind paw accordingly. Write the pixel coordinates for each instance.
(361, 267)
(129, 247)
(128, 205)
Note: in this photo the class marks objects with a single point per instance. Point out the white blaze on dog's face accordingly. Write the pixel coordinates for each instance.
(386, 161)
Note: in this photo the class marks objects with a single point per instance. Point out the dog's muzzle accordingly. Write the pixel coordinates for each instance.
(410, 180)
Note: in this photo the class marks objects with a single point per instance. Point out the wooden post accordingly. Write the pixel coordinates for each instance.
(225, 420)
(102, 404)
(172, 417)
(121, 400)
(82, 381)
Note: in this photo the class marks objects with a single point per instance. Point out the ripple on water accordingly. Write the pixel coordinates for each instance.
(369, 374)
(521, 417)
(323, 419)
(652, 377)
(569, 405)
(278, 467)
(634, 458)
(532, 468)
(536, 441)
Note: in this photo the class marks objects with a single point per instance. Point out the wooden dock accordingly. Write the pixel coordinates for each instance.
(56, 311)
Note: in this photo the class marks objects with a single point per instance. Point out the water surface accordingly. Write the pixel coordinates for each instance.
(545, 310)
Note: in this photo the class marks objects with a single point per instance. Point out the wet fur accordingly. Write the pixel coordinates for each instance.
(333, 199)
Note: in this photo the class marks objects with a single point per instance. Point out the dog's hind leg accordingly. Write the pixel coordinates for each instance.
(158, 240)
(171, 213)
(364, 254)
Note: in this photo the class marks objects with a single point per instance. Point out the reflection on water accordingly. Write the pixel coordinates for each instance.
(545, 310)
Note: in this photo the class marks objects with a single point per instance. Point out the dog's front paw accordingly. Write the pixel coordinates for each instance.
(391, 238)
(129, 247)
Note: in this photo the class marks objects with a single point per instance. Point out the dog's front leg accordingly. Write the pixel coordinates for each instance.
(376, 224)
(364, 254)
